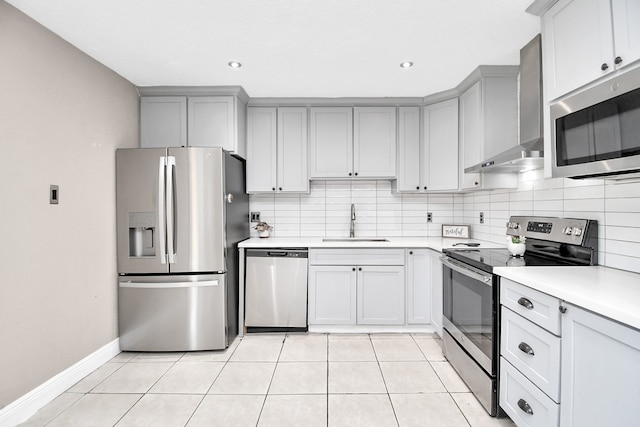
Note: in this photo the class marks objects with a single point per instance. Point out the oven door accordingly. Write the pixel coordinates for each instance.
(469, 313)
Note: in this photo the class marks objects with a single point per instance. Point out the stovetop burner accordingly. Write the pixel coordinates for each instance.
(488, 259)
(549, 242)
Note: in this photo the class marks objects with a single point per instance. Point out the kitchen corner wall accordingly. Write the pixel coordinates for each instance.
(62, 116)
(325, 211)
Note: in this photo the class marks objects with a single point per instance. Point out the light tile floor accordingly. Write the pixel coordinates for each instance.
(277, 380)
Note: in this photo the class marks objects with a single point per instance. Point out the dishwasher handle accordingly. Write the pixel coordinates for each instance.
(277, 253)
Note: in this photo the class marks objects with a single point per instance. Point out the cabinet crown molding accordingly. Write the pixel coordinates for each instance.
(194, 91)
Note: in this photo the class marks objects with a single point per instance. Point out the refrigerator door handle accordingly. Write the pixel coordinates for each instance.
(161, 209)
(171, 228)
(160, 285)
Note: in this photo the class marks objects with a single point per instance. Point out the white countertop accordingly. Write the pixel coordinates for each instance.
(607, 291)
(435, 243)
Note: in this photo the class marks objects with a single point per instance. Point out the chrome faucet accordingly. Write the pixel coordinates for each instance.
(352, 231)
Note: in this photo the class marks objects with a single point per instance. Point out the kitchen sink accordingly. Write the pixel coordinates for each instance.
(355, 239)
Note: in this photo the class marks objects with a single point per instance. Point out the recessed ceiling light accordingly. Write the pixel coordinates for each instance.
(407, 64)
(235, 64)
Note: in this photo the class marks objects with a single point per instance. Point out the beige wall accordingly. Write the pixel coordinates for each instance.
(62, 115)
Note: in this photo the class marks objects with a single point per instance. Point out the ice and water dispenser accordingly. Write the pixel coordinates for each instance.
(142, 234)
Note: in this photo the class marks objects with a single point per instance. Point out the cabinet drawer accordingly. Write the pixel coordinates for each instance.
(356, 257)
(540, 308)
(532, 350)
(525, 404)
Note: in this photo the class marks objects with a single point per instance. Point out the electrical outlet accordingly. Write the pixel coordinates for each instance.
(54, 194)
(255, 216)
(481, 217)
(429, 216)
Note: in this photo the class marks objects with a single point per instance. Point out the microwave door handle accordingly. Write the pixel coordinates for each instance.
(483, 278)
(162, 173)
(171, 228)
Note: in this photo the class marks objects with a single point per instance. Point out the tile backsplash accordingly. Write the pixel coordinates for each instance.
(325, 211)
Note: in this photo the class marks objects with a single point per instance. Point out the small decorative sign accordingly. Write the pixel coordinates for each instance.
(457, 231)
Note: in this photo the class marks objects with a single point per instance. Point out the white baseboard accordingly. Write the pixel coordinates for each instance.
(23, 408)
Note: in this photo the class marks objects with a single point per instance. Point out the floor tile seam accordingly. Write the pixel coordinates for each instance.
(273, 374)
(384, 381)
(103, 380)
(195, 410)
(455, 402)
(438, 375)
(226, 362)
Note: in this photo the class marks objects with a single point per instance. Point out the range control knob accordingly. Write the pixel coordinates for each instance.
(567, 231)
(513, 225)
(577, 231)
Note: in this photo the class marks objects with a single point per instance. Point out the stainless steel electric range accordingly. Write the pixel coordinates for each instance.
(471, 305)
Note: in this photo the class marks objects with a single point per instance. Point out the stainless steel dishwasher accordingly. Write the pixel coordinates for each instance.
(276, 290)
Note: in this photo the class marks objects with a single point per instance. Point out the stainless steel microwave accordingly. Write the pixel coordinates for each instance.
(596, 132)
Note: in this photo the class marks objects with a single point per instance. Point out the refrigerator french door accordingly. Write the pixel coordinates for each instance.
(180, 212)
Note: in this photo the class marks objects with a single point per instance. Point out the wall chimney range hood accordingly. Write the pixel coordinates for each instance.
(529, 153)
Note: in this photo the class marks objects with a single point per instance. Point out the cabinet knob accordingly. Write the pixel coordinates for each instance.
(273, 188)
(617, 60)
(360, 269)
(280, 188)
(425, 187)
(604, 66)
(353, 269)
(562, 309)
(418, 187)
(349, 173)
(356, 174)
(475, 183)
(525, 407)
(410, 252)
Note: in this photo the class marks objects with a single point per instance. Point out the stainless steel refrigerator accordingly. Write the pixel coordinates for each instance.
(180, 214)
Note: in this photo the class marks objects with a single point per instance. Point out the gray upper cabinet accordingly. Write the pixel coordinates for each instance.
(428, 152)
(277, 150)
(163, 121)
(350, 142)
(194, 117)
(488, 115)
(331, 142)
(374, 142)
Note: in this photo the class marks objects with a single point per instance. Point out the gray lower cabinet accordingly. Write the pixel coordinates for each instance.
(529, 355)
(600, 370)
(356, 287)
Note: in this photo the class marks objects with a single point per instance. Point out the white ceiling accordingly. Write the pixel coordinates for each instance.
(294, 48)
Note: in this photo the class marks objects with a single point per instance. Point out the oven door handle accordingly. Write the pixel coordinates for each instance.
(466, 270)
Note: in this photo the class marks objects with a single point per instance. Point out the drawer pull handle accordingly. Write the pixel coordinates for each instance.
(526, 348)
(522, 404)
(525, 303)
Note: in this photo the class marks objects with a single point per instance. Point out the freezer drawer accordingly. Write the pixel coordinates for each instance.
(174, 313)
(276, 288)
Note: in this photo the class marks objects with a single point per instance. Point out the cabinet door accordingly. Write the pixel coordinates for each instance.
(331, 142)
(332, 295)
(380, 295)
(441, 138)
(261, 149)
(626, 31)
(212, 122)
(292, 150)
(578, 40)
(163, 121)
(374, 142)
(418, 287)
(471, 132)
(436, 290)
(409, 151)
(600, 383)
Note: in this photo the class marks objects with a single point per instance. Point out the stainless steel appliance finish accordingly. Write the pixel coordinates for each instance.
(180, 214)
(165, 313)
(471, 315)
(596, 132)
(529, 153)
(276, 289)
